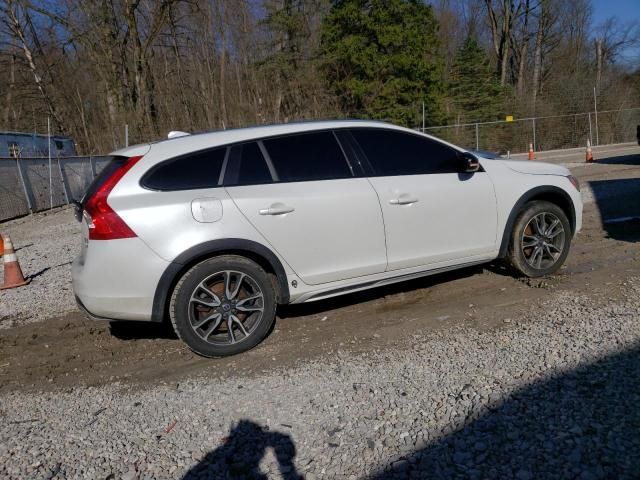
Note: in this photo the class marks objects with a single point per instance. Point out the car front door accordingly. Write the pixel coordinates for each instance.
(300, 193)
(433, 214)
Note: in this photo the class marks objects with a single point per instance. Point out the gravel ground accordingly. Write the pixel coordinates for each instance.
(46, 244)
(550, 395)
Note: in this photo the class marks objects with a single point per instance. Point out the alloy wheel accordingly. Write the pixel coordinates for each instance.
(226, 307)
(543, 240)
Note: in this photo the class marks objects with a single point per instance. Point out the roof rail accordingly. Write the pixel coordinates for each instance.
(177, 134)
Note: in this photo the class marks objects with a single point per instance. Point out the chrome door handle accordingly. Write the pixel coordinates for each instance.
(276, 209)
(403, 200)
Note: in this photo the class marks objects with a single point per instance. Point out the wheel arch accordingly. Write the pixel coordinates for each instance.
(198, 253)
(549, 193)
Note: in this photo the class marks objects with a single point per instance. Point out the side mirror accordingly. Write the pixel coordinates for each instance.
(470, 163)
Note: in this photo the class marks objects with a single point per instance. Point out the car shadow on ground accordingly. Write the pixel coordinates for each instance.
(633, 159)
(582, 424)
(350, 299)
(618, 202)
(240, 455)
(128, 330)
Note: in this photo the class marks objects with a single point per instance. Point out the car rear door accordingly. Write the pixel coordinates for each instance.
(433, 214)
(300, 193)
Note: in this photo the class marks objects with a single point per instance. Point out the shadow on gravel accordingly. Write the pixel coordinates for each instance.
(313, 308)
(240, 456)
(583, 425)
(618, 200)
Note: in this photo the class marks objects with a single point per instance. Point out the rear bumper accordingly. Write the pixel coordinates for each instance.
(87, 313)
(117, 279)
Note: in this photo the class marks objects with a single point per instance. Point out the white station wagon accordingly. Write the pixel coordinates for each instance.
(214, 230)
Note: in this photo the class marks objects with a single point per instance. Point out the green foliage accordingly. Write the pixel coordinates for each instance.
(381, 59)
(286, 24)
(474, 89)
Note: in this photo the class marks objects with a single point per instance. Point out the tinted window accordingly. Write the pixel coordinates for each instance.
(397, 153)
(309, 156)
(196, 170)
(247, 166)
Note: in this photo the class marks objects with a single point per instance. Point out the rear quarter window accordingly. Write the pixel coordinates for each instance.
(246, 166)
(188, 172)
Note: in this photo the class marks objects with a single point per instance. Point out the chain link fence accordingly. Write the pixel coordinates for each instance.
(29, 185)
(544, 133)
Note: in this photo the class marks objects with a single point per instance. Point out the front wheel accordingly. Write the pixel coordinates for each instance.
(223, 306)
(540, 239)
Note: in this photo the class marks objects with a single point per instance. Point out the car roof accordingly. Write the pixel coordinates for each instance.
(260, 131)
(205, 140)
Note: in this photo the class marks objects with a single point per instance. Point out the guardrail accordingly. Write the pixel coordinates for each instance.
(29, 185)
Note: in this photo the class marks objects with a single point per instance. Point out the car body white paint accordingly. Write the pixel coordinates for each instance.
(341, 236)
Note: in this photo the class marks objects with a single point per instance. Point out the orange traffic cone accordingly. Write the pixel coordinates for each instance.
(532, 155)
(1, 245)
(589, 153)
(12, 272)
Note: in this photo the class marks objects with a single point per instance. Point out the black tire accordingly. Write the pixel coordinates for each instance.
(524, 233)
(201, 284)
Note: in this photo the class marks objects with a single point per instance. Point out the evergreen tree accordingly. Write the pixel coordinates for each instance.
(381, 59)
(474, 88)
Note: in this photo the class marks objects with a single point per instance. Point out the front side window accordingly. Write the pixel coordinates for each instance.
(306, 157)
(397, 153)
(193, 171)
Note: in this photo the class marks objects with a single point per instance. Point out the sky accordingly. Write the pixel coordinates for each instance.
(626, 11)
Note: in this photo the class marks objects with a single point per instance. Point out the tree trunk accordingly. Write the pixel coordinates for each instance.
(537, 62)
(523, 52)
(599, 62)
(37, 75)
(12, 82)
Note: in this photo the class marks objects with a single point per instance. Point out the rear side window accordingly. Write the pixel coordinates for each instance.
(196, 170)
(247, 166)
(308, 156)
(398, 153)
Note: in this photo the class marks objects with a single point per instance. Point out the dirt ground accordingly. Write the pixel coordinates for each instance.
(68, 351)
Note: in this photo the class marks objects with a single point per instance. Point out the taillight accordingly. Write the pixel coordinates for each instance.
(106, 224)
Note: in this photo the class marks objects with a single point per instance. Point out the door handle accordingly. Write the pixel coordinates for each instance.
(276, 209)
(403, 199)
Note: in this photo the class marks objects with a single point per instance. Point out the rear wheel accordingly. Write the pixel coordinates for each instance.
(540, 239)
(223, 306)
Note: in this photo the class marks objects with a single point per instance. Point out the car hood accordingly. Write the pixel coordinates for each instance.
(535, 168)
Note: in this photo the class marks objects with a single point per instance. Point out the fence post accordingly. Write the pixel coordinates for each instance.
(477, 138)
(595, 106)
(535, 147)
(63, 177)
(590, 132)
(25, 188)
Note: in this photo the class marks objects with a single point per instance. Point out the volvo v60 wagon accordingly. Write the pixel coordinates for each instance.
(214, 230)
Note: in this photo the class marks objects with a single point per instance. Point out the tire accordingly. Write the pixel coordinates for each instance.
(223, 306)
(540, 239)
